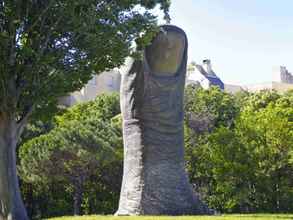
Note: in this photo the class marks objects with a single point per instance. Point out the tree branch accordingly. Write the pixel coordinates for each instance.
(39, 17)
(41, 49)
(21, 123)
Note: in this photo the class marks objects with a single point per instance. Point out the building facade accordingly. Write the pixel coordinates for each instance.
(203, 75)
(282, 81)
(102, 83)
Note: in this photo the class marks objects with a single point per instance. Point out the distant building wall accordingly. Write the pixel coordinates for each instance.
(282, 87)
(232, 88)
(102, 83)
(196, 77)
(202, 75)
(282, 75)
(277, 86)
(258, 87)
(282, 81)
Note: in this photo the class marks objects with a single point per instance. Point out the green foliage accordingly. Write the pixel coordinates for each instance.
(74, 160)
(75, 149)
(246, 167)
(36, 129)
(206, 109)
(239, 154)
(104, 107)
(221, 217)
(51, 48)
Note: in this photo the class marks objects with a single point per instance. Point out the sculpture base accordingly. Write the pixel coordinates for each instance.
(164, 190)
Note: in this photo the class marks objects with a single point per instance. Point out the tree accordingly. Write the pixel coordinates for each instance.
(49, 48)
(246, 167)
(83, 143)
(205, 111)
(266, 131)
(72, 154)
(251, 164)
(104, 107)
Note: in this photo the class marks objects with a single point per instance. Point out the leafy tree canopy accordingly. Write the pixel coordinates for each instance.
(206, 109)
(104, 107)
(246, 167)
(82, 145)
(50, 48)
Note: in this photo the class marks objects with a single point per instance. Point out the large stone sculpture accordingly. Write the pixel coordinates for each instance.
(154, 179)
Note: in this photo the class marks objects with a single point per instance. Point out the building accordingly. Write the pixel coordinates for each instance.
(102, 83)
(203, 75)
(282, 75)
(282, 81)
(230, 88)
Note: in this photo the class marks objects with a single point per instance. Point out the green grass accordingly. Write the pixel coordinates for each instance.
(220, 217)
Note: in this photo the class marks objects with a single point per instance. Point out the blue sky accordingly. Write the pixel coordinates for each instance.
(244, 39)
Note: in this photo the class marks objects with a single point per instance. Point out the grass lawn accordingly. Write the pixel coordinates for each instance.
(220, 217)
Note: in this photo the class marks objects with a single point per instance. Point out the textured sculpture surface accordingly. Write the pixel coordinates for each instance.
(154, 179)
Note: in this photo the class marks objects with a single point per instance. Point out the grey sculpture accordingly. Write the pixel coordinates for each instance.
(154, 179)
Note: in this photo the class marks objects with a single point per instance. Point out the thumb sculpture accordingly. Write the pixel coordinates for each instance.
(154, 178)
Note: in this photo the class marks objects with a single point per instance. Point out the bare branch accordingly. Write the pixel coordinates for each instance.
(21, 123)
(41, 49)
(49, 34)
(40, 16)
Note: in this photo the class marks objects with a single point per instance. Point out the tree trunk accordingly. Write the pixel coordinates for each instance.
(11, 204)
(30, 203)
(78, 193)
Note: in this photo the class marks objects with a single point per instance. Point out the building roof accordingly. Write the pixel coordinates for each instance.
(211, 77)
(215, 81)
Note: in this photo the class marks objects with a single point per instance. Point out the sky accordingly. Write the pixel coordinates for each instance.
(244, 39)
